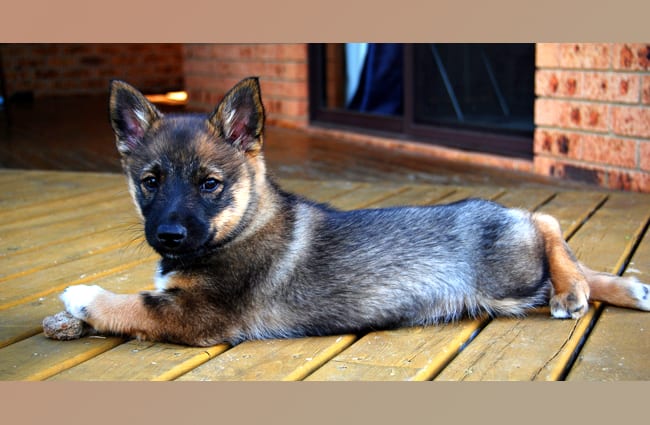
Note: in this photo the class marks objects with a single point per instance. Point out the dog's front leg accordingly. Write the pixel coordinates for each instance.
(149, 315)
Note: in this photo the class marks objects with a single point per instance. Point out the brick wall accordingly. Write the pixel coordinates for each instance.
(592, 113)
(64, 69)
(211, 69)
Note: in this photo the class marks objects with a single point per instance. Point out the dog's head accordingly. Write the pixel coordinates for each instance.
(192, 176)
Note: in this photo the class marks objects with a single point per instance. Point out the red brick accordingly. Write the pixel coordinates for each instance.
(237, 70)
(632, 56)
(284, 89)
(571, 170)
(547, 55)
(586, 147)
(248, 52)
(613, 87)
(644, 156)
(193, 51)
(645, 97)
(631, 121)
(279, 52)
(608, 150)
(286, 107)
(567, 114)
(573, 55)
(200, 67)
(86, 68)
(558, 83)
(629, 180)
(584, 55)
(557, 143)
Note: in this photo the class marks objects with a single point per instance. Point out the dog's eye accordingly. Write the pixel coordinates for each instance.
(150, 183)
(209, 185)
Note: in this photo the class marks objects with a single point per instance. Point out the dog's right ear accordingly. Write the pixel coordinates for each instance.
(131, 115)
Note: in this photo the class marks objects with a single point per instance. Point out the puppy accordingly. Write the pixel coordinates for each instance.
(243, 259)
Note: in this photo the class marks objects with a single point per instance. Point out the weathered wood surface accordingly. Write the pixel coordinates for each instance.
(58, 229)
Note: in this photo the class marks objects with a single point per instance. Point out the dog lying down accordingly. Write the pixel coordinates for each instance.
(243, 259)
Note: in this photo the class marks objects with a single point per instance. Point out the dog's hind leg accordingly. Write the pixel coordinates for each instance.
(571, 291)
(574, 283)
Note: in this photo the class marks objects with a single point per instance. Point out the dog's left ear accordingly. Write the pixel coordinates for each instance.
(239, 117)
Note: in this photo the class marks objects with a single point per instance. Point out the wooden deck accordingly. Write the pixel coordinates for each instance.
(63, 228)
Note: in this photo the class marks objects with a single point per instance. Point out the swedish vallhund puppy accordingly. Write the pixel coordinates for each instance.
(242, 259)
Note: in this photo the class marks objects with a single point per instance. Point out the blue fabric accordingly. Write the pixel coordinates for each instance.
(355, 58)
(381, 84)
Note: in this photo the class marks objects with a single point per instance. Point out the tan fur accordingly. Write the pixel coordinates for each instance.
(574, 284)
(224, 223)
(124, 314)
(570, 288)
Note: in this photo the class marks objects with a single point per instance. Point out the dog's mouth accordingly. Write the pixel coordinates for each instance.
(188, 253)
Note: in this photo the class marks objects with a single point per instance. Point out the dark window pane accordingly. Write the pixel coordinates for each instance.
(486, 87)
(468, 96)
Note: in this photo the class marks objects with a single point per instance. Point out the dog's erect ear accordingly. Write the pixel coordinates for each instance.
(131, 115)
(239, 117)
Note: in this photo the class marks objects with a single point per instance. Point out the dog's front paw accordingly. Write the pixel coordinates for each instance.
(77, 299)
(571, 304)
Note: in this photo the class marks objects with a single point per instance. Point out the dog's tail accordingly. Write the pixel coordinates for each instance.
(616, 290)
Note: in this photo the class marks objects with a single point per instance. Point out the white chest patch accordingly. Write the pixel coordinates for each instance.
(162, 280)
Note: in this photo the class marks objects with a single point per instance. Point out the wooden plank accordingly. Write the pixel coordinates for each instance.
(41, 283)
(36, 187)
(572, 209)
(162, 361)
(74, 205)
(527, 199)
(321, 191)
(56, 231)
(548, 345)
(13, 265)
(24, 319)
(618, 348)
(415, 195)
(366, 194)
(271, 360)
(141, 361)
(402, 354)
(38, 358)
(484, 192)
(412, 353)
(65, 219)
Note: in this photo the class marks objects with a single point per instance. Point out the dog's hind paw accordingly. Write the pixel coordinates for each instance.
(571, 304)
(77, 299)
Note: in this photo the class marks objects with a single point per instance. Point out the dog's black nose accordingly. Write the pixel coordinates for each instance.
(171, 235)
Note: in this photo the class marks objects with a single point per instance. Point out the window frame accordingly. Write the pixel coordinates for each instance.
(405, 127)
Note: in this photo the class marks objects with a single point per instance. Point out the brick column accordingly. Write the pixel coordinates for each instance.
(592, 114)
(80, 69)
(211, 69)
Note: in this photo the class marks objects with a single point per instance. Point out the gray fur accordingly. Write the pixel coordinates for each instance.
(402, 266)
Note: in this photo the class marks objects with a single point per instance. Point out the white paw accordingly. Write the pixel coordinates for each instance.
(567, 305)
(77, 299)
(641, 292)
